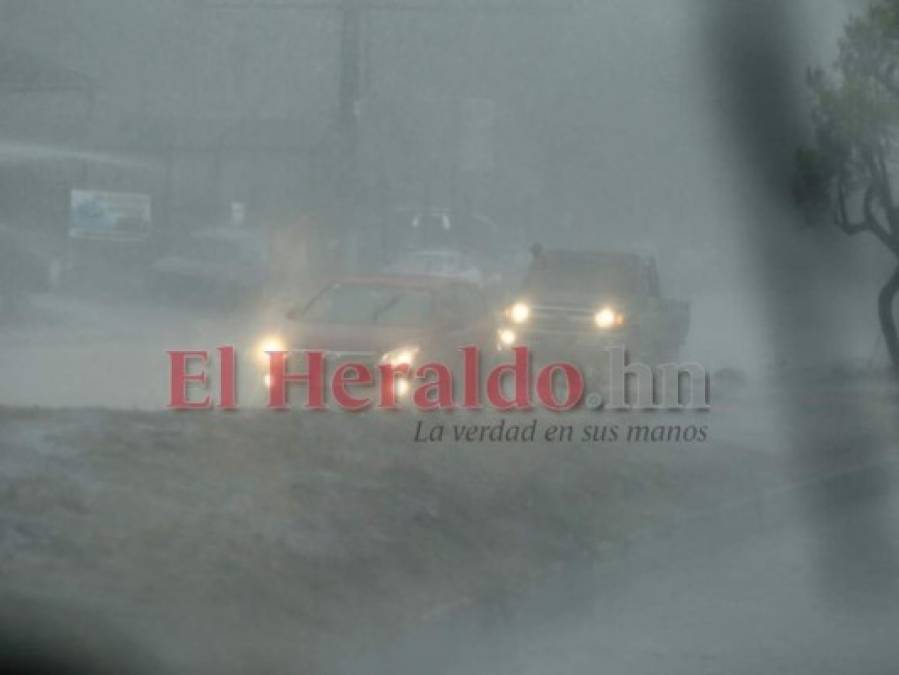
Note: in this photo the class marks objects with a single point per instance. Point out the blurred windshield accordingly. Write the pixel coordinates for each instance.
(594, 274)
(358, 304)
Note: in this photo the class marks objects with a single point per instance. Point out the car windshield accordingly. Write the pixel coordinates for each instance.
(363, 304)
(612, 277)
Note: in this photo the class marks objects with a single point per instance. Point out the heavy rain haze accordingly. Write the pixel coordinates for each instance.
(608, 124)
(389, 181)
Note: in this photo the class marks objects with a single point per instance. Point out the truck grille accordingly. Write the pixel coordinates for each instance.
(554, 319)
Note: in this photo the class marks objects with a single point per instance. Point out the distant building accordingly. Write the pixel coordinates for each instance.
(44, 107)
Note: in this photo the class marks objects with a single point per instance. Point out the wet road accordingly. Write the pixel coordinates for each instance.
(759, 589)
(340, 547)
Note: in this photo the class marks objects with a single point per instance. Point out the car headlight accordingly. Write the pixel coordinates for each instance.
(507, 336)
(401, 356)
(271, 343)
(519, 312)
(608, 318)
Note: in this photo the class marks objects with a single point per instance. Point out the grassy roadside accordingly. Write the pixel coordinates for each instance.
(255, 540)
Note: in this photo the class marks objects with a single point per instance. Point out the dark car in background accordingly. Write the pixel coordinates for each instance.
(437, 263)
(230, 262)
(25, 268)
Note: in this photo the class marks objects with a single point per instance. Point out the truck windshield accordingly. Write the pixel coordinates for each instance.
(360, 304)
(599, 275)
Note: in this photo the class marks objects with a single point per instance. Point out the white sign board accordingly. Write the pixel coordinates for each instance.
(109, 215)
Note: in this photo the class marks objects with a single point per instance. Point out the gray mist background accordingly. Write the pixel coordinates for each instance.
(334, 543)
(612, 125)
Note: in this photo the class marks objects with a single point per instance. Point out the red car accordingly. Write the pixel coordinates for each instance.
(401, 319)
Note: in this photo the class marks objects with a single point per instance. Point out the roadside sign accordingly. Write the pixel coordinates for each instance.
(122, 216)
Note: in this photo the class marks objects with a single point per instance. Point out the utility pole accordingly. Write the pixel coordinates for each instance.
(351, 13)
(351, 52)
(349, 98)
(350, 75)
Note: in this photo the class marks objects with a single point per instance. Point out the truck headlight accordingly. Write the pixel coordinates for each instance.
(507, 336)
(519, 312)
(608, 318)
(401, 356)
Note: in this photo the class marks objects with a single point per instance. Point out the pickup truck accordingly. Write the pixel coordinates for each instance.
(573, 303)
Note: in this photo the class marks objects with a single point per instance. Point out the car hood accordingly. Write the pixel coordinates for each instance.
(575, 299)
(354, 337)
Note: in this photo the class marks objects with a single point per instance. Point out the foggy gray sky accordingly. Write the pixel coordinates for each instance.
(615, 95)
(177, 175)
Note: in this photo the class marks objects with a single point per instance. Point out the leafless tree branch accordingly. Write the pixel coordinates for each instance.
(869, 222)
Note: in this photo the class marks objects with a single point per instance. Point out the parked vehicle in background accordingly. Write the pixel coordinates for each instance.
(435, 227)
(577, 302)
(110, 239)
(227, 260)
(437, 263)
(24, 268)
